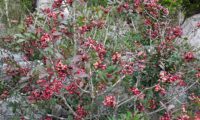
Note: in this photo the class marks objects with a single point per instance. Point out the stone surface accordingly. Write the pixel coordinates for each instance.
(191, 31)
(41, 4)
(5, 111)
(18, 57)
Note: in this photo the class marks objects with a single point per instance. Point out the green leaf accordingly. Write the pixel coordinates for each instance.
(30, 35)
(20, 40)
(19, 35)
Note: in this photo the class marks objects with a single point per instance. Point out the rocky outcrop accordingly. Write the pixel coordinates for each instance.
(41, 4)
(191, 31)
(5, 111)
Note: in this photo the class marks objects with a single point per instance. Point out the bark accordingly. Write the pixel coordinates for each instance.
(7, 12)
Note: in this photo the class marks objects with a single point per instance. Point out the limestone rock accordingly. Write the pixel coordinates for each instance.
(191, 31)
(41, 4)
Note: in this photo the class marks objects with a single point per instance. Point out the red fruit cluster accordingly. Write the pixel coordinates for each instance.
(110, 101)
(183, 117)
(105, 10)
(17, 71)
(116, 57)
(46, 91)
(195, 98)
(45, 38)
(154, 9)
(140, 107)
(152, 104)
(83, 29)
(98, 47)
(72, 88)
(141, 61)
(99, 65)
(189, 56)
(135, 91)
(197, 115)
(127, 68)
(137, 3)
(166, 116)
(122, 7)
(81, 113)
(69, 2)
(173, 33)
(4, 95)
(95, 23)
(169, 78)
(61, 69)
(158, 88)
(197, 74)
(198, 24)
(29, 20)
(57, 3)
(47, 118)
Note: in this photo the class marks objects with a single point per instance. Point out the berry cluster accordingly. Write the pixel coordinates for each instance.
(110, 101)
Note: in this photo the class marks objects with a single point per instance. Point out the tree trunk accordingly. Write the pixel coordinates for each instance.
(7, 12)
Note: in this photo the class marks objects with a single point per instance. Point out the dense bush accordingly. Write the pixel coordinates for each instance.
(121, 61)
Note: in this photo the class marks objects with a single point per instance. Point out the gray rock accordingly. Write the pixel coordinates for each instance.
(5, 111)
(42, 4)
(191, 31)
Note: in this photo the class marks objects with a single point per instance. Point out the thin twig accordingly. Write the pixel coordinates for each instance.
(53, 116)
(162, 108)
(67, 104)
(112, 86)
(131, 98)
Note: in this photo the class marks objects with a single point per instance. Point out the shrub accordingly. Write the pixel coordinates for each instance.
(100, 63)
